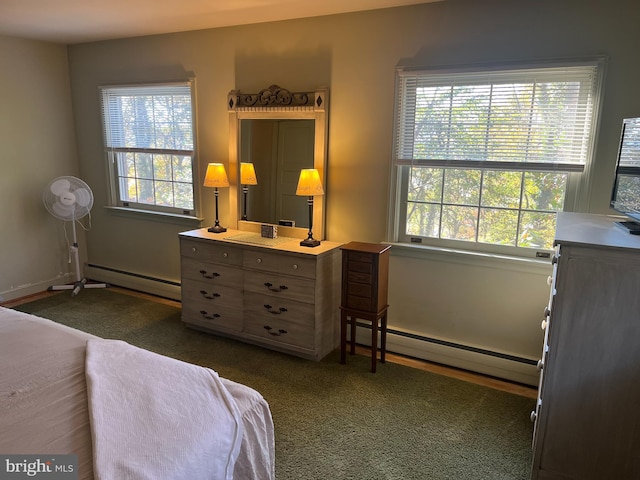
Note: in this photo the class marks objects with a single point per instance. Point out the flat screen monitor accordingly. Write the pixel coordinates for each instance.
(625, 198)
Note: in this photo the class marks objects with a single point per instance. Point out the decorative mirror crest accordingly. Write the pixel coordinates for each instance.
(275, 96)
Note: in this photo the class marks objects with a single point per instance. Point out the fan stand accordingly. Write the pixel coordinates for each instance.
(80, 282)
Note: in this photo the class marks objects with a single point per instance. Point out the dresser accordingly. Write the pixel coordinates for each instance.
(268, 292)
(587, 417)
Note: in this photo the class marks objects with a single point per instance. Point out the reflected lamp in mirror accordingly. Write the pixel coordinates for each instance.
(247, 177)
(309, 185)
(216, 177)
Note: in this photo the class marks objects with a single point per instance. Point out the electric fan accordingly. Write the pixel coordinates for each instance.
(70, 199)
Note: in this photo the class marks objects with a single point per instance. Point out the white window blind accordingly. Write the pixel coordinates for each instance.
(148, 117)
(525, 119)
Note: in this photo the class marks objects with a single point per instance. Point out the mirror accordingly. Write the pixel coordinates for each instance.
(280, 133)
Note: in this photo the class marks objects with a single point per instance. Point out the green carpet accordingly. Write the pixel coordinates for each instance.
(333, 421)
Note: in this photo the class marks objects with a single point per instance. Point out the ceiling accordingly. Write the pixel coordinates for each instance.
(80, 21)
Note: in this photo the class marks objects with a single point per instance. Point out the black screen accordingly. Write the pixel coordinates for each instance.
(626, 190)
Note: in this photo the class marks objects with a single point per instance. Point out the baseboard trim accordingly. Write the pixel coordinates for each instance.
(467, 357)
(33, 288)
(134, 281)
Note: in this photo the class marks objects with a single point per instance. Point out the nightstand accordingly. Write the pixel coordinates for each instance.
(365, 280)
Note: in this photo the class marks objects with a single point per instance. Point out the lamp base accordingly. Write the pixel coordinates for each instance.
(310, 242)
(216, 229)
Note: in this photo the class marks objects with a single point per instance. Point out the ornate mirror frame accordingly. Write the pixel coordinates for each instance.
(275, 102)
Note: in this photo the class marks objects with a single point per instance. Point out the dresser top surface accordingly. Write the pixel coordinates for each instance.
(248, 239)
(593, 230)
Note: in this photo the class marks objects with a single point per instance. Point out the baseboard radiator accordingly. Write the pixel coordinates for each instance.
(476, 359)
(134, 281)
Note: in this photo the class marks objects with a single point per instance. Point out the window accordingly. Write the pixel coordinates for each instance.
(149, 139)
(488, 157)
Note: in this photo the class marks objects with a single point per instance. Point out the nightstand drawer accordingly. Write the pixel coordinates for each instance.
(360, 257)
(360, 303)
(359, 267)
(359, 277)
(360, 289)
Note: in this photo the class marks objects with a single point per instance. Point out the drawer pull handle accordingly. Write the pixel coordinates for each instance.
(275, 334)
(554, 259)
(294, 266)
(539, 365)
(533, 416)
(275, 289)
(209, 316)
(194, 249)
(225, 255)
(258, 260)
(205, 274)
(547, 311)
(209, 296)
(543, 325)
(275, 312)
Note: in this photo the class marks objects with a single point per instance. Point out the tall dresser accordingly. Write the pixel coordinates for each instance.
(269, 292)
(587, 418)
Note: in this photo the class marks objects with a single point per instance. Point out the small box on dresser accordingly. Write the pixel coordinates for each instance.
(277, 295)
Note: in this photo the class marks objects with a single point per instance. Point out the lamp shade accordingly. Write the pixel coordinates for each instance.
(309, 183)
(247, 174)
(216, 176)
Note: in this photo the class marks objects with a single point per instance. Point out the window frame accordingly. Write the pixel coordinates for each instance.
(578, 180)
(112, 161)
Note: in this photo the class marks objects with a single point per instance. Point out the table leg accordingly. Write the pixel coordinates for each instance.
(353, 335)
(374, 344)
(383, 340)
(343, 337)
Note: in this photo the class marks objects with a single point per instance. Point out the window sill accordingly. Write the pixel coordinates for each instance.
(467, 257)
(174, 218)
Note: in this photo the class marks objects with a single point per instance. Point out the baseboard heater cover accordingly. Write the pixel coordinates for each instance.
(135, 281)
(480, 360)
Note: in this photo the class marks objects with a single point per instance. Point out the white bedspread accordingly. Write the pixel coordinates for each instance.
(44, 402)
(154, 417)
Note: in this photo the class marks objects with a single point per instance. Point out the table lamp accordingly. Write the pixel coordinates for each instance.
(216, 177)
(309, 185)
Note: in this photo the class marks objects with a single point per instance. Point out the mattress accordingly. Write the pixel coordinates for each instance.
(44, 406)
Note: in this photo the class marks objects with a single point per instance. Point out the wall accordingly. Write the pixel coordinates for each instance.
(481, 302)
(38, 145)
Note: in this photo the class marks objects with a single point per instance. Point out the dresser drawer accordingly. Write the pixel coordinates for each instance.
(280, 286)
(211, 273)
(212, 316)
(284, 264)
(282, 321)
(211, 252)
(204, 294)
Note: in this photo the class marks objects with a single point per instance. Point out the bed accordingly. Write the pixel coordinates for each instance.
(126, 413)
